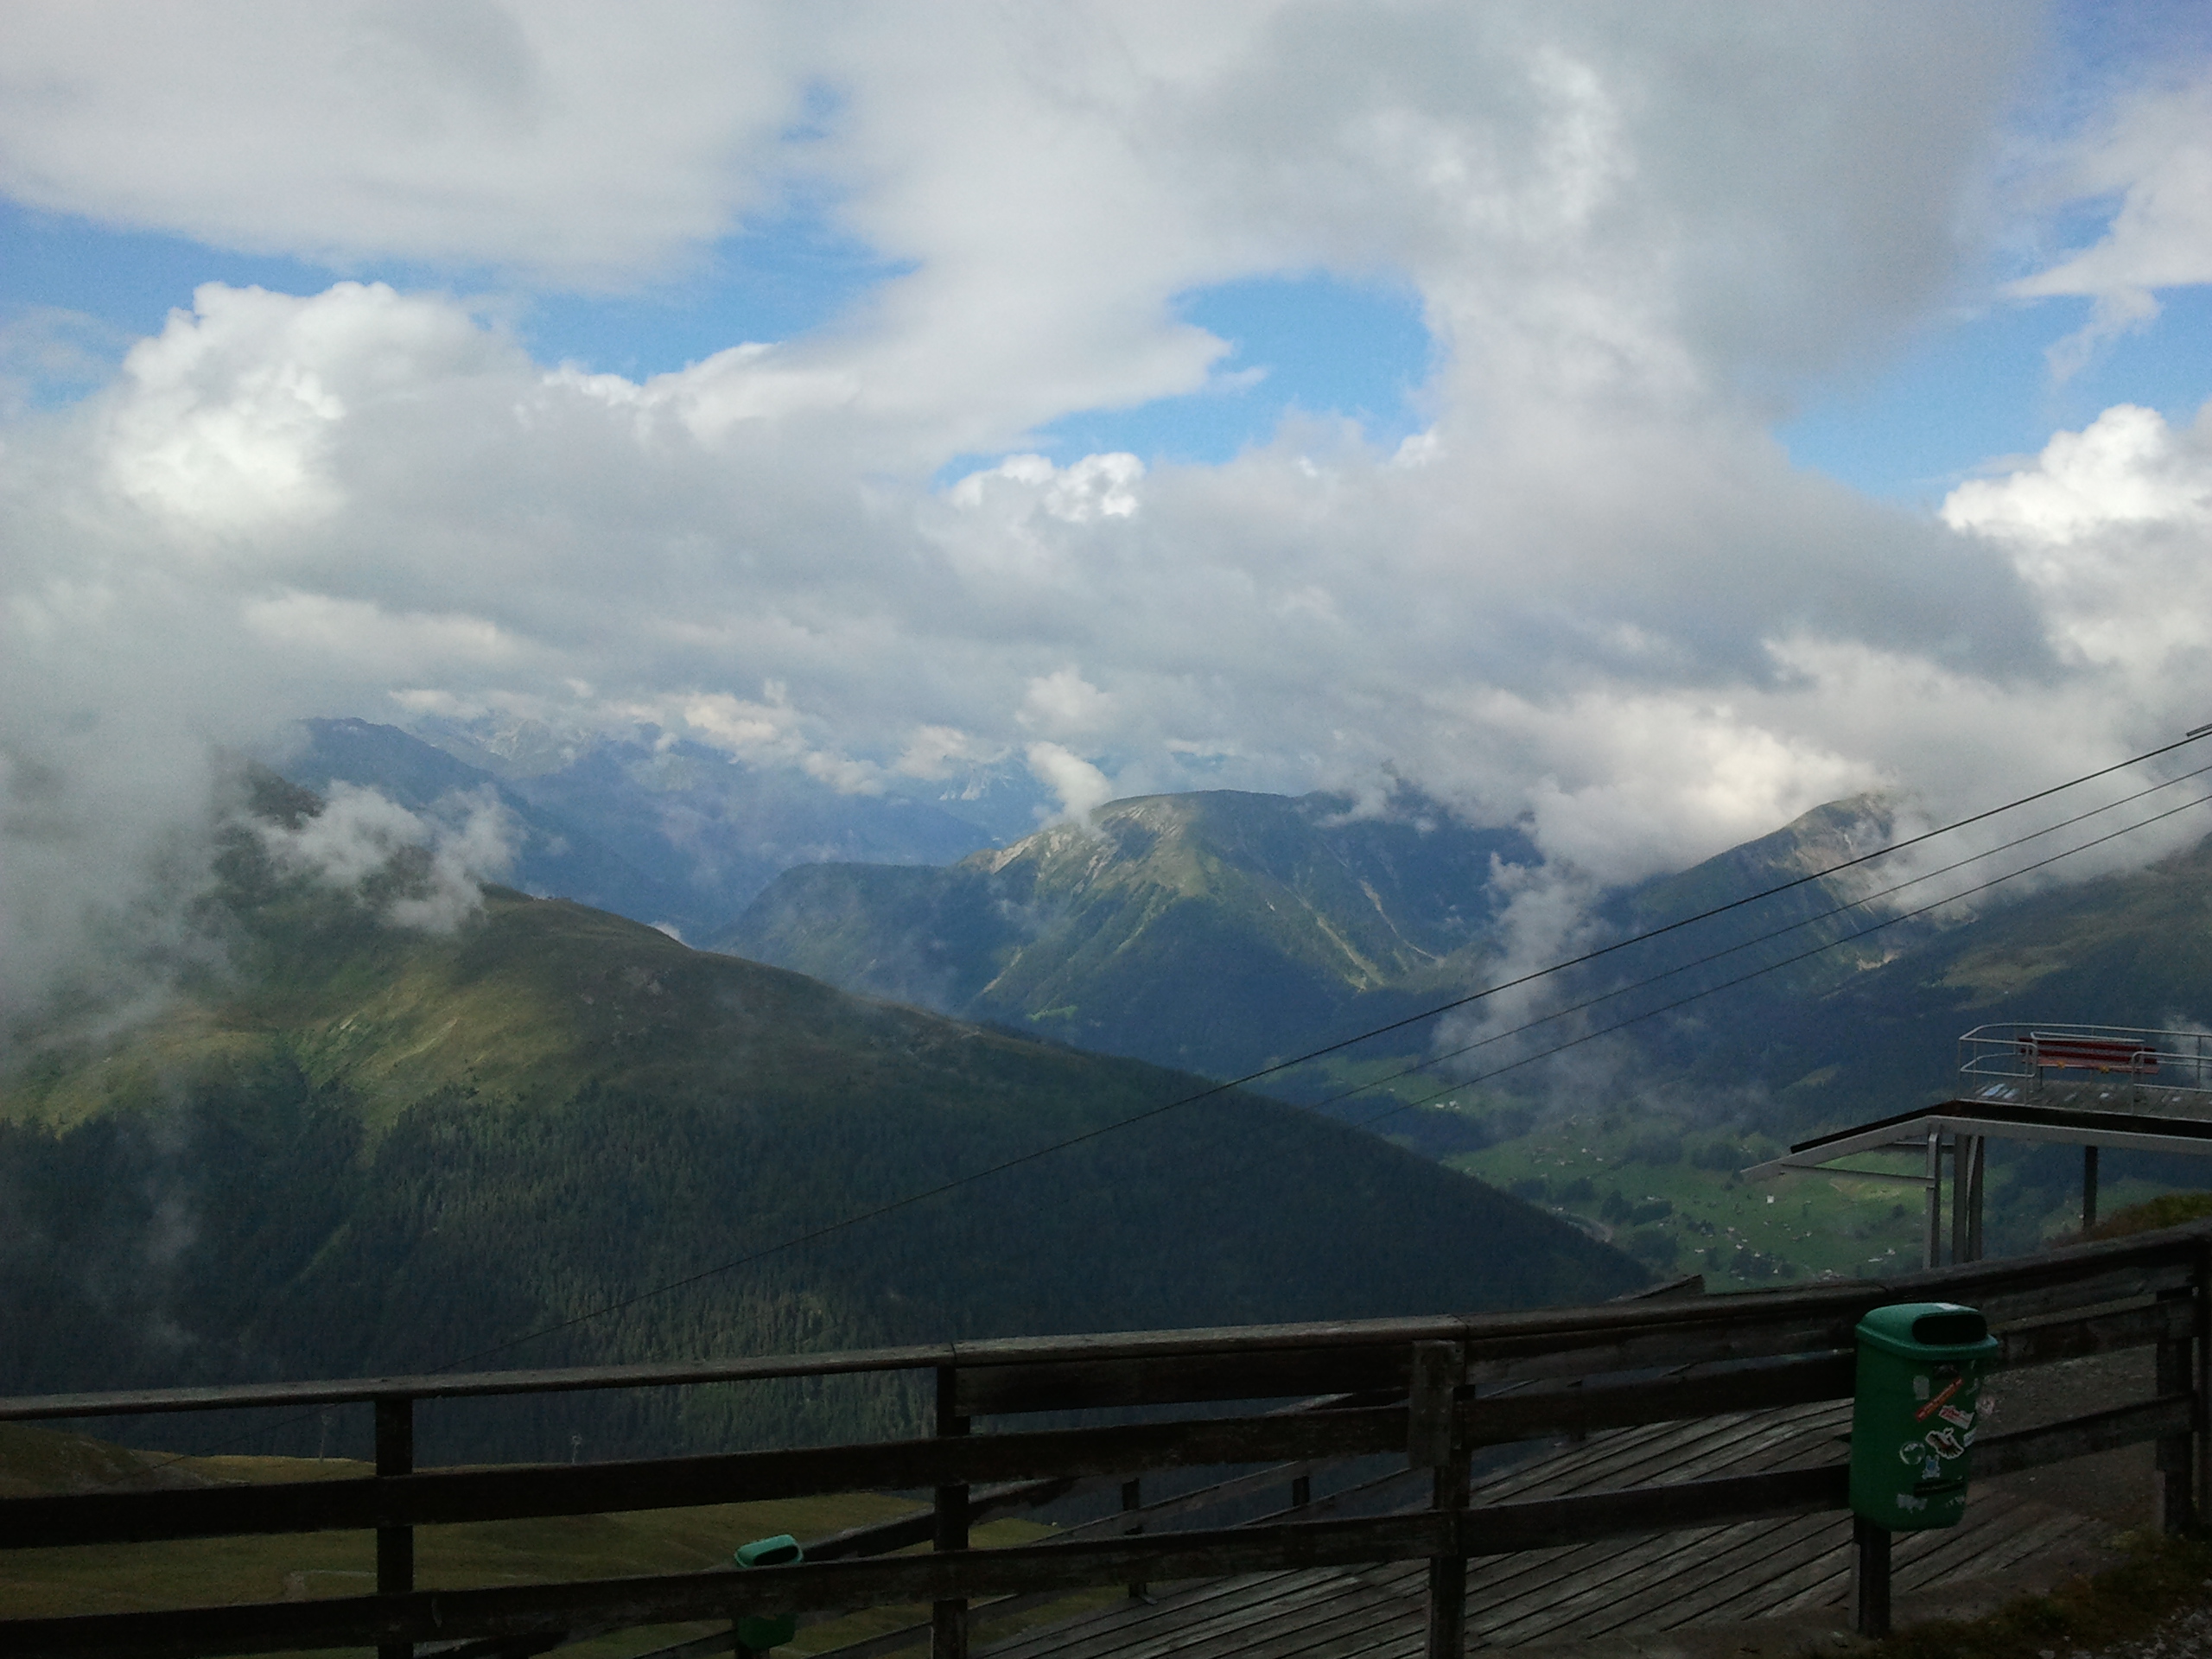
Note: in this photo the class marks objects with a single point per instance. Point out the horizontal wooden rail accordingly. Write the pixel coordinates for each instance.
(1273, 1362)
(2078, 1437)
(527, 1609)
(1473, 1382)
(445, 1497)
(1055, 1457)
(1479, 1530)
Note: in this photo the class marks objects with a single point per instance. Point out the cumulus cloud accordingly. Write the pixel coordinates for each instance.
(531, 138)
(1592, 596)
(1080, 786)
(2152, 151)
(2111, 530)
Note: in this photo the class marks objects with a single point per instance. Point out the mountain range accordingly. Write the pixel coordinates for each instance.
(1221, 931)
(670, 833)
(1217, 930)
(359, 1146)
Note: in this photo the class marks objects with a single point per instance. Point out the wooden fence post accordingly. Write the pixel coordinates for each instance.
(2203, 1292)
(2088, 1188)
(1870, 1579)
(2176, 1454)
(948, 1619)
(395, 1545)
(1132, 1498)
(1433, 1440)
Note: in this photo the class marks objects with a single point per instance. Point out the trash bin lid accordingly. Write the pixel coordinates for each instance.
(782, 1550)
(1929, 1330)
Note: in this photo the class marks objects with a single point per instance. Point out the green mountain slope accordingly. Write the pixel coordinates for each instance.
(368, 1149)
(1216, 931)
(1731, 1079)
(2128, 949)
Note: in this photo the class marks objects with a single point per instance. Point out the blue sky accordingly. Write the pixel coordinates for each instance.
(1968, 393)
(1688, 274)
(1965, 389)
(1321, 345)
(1966, 385)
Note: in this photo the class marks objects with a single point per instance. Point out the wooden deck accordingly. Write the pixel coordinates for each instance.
(1710, 1576)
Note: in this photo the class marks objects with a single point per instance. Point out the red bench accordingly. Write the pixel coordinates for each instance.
(2089, 1054)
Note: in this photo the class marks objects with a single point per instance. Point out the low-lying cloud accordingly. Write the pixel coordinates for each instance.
(361, 836)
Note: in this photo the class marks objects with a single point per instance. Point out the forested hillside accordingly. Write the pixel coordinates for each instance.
(365, 1148)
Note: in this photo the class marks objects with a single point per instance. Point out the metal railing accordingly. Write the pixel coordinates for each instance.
(1433, 1391)
(2055, 1063)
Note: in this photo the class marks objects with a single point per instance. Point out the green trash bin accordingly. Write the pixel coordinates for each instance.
(759, 1635)
(1912, 1421)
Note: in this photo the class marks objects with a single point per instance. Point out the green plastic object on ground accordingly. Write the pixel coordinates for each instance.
(759, 1635)
(1912, 1419)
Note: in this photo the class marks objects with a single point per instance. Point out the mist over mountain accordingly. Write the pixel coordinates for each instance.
(1875, 1029)
(1223, 930)
(385, 1137)
(1218, 929)
(666, 833)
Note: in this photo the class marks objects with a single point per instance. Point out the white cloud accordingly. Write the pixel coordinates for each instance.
(2152, 151)
(1053, 179)
(1081, 787)
(1592, 594)
(2154, 154)
(360, 835)
(2111, 530)
(553, 138)
(1064, 704)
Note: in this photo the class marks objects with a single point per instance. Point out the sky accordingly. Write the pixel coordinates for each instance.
(1642, 423)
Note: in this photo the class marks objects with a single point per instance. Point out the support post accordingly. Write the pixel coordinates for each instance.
(2176, 1375)
(1975, 1183)
(1302, 1491)
(1961, 1167)
(395, 1545)
(948, 1619)
(1435, 1440)
(2088, 1188)
(1931, 1254)
(1132, 1498)
(1870, 1579)
(2203, 1292)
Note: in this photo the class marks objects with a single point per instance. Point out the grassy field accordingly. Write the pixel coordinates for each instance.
(221, 1571)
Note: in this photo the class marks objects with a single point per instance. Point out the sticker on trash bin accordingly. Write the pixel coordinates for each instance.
(1911, 1452)
(1941, 1399)
(1907, 1501)
(1956, 1418)
(1945, 1444)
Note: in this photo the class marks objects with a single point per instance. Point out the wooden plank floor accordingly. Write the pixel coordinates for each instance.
(1709, 1576)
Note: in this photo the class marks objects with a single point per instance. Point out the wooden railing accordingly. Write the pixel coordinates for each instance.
(1433, 1391)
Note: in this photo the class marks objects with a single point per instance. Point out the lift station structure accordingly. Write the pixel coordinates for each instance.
(2090, 1086)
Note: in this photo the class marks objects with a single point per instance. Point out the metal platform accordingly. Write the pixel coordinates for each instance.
(2088, 1086)
(2105, 1068)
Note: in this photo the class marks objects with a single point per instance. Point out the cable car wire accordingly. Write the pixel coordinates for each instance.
(923, 1196)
